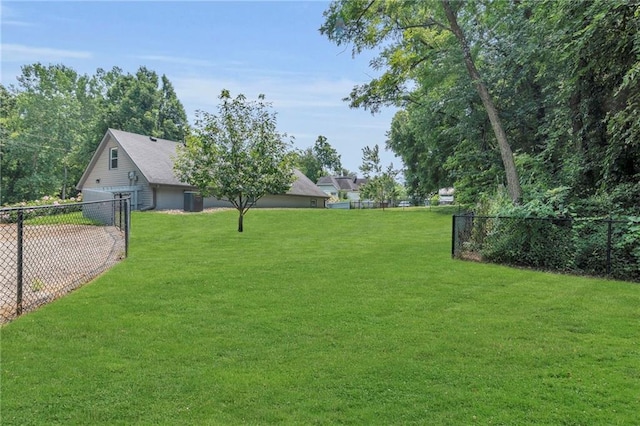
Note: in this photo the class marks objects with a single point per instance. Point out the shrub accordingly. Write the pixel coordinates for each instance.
(38, 208)
(536, 234)
(626, 250)
(537, 243)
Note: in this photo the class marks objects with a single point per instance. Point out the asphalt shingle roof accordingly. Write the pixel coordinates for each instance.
(154, 157)
(345, 183)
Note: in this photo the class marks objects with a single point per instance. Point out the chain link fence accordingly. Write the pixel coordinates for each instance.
(48, 251)
(586, 246)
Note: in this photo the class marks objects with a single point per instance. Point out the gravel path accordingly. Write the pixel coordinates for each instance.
(57, 260)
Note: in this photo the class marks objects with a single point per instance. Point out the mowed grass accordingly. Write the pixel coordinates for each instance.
(322, 317)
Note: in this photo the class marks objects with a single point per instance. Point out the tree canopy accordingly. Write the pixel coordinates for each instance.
(320, 160)
(562, 75)
(54, 119)
(237, 154)
(409, 35)
(381, 183)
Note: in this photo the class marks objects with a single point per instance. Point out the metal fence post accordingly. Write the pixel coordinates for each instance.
(20, 223)
(453, 236)
(127, 218)
(609, 231)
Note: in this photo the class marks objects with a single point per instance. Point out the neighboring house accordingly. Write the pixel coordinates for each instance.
(333, 185)
(445, 195)
(142, 167)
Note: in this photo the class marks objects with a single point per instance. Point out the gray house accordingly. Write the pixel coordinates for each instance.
(142, 167)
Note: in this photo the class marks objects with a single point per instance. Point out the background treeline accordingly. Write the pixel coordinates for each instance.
(565, 76)
(52, 121)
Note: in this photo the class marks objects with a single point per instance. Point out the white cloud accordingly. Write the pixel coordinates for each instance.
(14, 23)
(11, 18)
(24, 54)
(176, 60)
(284, 93)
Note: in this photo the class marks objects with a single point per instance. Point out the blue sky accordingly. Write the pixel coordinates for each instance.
(248, 47)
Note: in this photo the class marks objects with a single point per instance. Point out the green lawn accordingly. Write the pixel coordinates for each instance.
(322, 317)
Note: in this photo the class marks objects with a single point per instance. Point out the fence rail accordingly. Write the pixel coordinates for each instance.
(588, 246)
(48, 251)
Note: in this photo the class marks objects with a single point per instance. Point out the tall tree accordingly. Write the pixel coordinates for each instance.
(327, 155)
(54, 106)
(7, 112)
(320, 160)
(54, 119)
(143, 103)
(408, 34)
(172, 119)
(237, 155)
(307, 162)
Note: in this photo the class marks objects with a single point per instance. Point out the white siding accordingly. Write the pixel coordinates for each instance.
(329, 190)
(353, 195)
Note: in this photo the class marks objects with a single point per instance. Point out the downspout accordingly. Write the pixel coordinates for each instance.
(153, 205)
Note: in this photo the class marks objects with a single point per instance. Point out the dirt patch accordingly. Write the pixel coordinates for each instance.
(56, 260)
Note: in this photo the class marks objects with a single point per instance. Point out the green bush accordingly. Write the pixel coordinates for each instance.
(530, 242)
(543, 233)
(46, 206)
(536, 234)
(590, 238)
(626, 250)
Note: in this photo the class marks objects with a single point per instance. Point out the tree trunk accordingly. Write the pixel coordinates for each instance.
(240, 218)
(513, 181)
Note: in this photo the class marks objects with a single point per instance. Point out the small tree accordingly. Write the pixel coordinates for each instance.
(236, 155)
(381, 185)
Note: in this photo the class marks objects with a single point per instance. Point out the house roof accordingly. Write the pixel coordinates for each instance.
(305, 186)
(154, 158)
(345, 183)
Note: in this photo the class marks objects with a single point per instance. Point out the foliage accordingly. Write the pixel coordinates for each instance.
(48, 128)
(308, 164)
(534, 243)
(598, 240)
(320, 160)
(562, 73)
(237, 155)
(381, 184)
(327, 156)
(522, 235)
(37, 208)
(143, 103)
(546, 233)
(52, 122)
(413, 37)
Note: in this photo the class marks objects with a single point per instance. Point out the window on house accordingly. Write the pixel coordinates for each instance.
(113, 158)
(314, 203)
